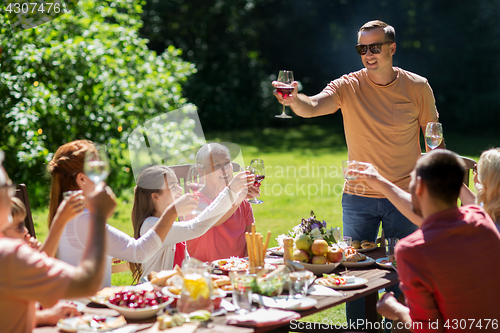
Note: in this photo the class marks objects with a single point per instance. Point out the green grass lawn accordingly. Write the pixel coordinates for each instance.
(303, 173)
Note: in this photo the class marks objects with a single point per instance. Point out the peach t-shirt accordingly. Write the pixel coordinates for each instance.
(28, 276)
(225, 240)
(382, 123)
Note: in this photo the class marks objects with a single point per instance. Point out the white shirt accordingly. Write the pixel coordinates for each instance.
(118, 244)
(185, 230)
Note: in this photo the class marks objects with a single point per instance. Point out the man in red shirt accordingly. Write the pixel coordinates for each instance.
(449, 268)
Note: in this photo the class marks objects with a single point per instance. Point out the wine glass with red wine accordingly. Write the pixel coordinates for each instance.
(284, 88)
(195, 181)
(257, 168)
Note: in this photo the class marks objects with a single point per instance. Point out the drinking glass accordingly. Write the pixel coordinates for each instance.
(433, 134)
(257, 168)
(195, 180)
(96, 165)
(284, 88)
(348, 167)
(299, 283)
(242, 291)
(390, 244)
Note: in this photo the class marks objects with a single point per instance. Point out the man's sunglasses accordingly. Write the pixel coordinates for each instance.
(375, 48)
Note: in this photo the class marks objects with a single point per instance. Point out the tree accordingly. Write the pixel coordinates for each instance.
(84, 75)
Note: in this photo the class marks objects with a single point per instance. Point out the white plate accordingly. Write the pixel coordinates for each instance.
(285, 302)
(367, 262)
(139, 313)
(358, 282)
(367, 250)
(320, 269)
(81, 323)
(384, 263)
(277, 251)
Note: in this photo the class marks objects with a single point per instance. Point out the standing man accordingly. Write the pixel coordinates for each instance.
(383, 108)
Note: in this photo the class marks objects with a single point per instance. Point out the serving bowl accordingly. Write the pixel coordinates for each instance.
(139, 313)
(320, 269)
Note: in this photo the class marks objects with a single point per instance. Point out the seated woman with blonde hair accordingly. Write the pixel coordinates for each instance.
(487, 183)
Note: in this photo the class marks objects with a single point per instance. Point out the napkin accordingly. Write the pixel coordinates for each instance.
(318, 290)
(262, 317)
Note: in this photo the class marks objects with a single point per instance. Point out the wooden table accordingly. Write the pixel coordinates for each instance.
(378, 278)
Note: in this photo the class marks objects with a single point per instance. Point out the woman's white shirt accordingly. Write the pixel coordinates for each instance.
(185, 230)
(118, 244)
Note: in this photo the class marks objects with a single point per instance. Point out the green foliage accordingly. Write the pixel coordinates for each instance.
(84, 75)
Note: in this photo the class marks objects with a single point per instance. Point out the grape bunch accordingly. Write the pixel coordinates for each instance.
(138, 299)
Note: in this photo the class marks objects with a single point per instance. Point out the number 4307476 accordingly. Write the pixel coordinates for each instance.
(35, 7)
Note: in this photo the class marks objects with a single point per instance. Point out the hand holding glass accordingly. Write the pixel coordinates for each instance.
(195, 181)
(348, 167)
(96, 165)
(257, 168)
(284, 88)
(433, 134)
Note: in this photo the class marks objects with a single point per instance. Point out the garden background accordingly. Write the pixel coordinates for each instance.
(107, 67)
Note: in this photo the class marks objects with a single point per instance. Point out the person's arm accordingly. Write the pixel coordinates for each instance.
(193, 228)
(89, 273)
(307, 106)
(50, 316)
(67, 210)
(389, 307)
(240, 184)
(398, 197)
(466, 196)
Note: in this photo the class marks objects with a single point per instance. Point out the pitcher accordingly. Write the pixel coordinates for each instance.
(197, 289)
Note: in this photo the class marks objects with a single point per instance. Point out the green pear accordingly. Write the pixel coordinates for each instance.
(303, 242)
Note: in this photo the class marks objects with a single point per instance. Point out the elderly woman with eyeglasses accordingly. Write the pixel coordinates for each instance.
(226, 238)
(487, 183)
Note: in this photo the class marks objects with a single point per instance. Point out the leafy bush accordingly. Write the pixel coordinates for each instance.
(84, 75)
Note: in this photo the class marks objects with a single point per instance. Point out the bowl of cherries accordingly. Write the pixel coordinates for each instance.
(134, 303)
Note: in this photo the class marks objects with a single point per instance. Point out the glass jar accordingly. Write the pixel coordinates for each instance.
(196, 291)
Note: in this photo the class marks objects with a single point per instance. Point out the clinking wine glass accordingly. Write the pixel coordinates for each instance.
(257, 168)
(195, 180)
(433, 134)
(96, 165)
(284, 88)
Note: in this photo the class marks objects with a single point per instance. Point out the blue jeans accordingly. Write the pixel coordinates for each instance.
(361, 217)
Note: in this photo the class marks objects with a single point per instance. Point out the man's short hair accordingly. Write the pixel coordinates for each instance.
(390, 32)
(443, 172)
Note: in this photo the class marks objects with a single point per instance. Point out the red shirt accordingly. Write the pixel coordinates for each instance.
(450, 271)
(226, 240)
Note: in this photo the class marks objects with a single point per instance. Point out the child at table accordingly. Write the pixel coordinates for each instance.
(157, 187)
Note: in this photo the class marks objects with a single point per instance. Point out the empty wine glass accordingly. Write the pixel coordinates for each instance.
(257, 168)
(195, 180)
(433, 134)
(284, 88)
(96, 165)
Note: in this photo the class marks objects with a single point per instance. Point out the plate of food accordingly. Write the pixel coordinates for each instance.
(364, 246)
(90, 323)
(277, 251)
(102, 295)
(358, 264)
(341, 282)
(235, 264)
(384, 263)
